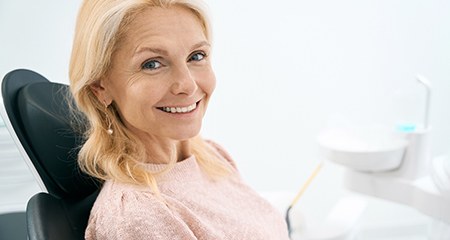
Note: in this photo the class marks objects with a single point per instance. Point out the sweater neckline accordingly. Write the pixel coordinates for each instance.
(188, 169)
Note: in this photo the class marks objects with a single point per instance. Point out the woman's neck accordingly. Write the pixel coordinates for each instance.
(162, 152)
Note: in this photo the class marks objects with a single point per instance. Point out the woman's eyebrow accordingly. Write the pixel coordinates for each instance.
(150, 49)
(164, 52)
(201, 44)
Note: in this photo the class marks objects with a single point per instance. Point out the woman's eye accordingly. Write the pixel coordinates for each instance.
(151, 65)
(197, 56)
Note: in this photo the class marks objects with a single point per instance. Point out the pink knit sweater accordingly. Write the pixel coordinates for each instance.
(197, 208)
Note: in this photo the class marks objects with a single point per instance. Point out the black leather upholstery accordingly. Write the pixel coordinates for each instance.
(39, 113)
(51, 218)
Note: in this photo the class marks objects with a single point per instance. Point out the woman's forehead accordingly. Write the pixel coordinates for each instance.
(164, 26)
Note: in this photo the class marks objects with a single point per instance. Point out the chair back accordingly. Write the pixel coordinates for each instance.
(41, 120)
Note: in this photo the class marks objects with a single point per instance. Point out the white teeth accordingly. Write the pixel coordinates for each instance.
(187, 109)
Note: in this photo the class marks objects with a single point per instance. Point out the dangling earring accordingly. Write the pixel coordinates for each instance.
(108, 120)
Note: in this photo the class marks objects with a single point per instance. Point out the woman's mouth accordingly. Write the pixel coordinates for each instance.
(185, 109)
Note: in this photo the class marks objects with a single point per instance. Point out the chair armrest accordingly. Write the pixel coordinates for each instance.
(49, 217)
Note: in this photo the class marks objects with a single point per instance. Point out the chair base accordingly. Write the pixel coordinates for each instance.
(13, 226)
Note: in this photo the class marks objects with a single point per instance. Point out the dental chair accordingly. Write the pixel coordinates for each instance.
(40, 122)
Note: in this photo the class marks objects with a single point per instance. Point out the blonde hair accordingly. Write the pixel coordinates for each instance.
(101, 25)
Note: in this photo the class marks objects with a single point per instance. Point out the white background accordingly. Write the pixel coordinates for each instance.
(286, 70)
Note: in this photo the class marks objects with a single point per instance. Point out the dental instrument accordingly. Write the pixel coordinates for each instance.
(300, 193)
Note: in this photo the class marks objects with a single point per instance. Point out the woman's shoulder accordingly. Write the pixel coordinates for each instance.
(121, 207)
(117, 200)
(222, 152)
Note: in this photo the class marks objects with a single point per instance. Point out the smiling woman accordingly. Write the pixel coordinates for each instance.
(161, 64)
(141, 73)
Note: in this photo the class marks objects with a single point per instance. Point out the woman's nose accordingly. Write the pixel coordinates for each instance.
(183, 81)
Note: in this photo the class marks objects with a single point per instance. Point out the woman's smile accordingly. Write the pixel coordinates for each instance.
(179, 109)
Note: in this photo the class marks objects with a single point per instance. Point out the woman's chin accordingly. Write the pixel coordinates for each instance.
(185, 134)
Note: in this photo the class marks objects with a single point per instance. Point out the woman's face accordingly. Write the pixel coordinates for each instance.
(161, 77)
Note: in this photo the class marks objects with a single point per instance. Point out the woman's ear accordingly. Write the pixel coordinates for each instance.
(100, 92)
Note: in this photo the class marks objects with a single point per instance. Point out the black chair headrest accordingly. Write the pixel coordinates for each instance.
(43, 123)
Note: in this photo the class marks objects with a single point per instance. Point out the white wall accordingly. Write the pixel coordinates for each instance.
(37, 35)
(285, 70)
(288, 70)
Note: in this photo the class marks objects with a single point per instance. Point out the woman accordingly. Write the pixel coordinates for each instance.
(141, 73)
